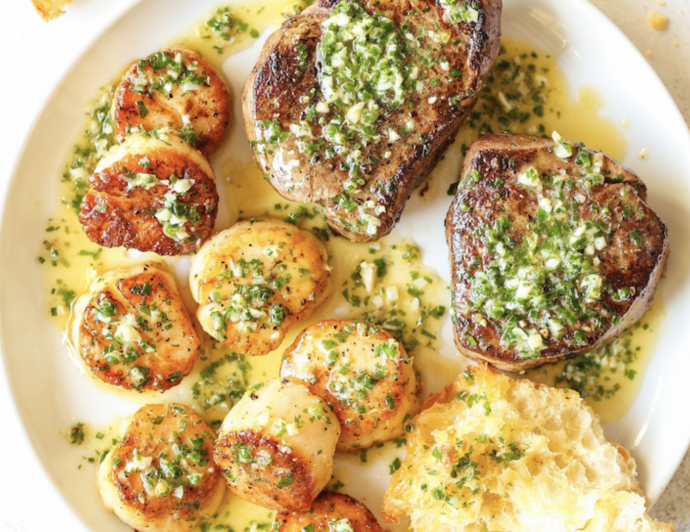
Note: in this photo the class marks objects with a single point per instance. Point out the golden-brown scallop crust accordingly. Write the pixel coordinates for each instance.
(207, 110)
(148, 434)
(284, 74)
(128, 219)
(327, 508)
(400, 384)
(299, 256)
(289, 477)
(176, 349)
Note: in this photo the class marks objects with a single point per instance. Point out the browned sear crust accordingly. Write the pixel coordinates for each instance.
(297, 495)
(329, 507)
(114, 214)
(290, 263)
(146, 299)
(203, 109)
(153, 432)
(366, 418)
(630, 260)
(283, 83)
(276, 446)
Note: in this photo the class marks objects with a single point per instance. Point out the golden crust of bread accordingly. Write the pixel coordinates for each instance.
(50, 9)
(497, 453)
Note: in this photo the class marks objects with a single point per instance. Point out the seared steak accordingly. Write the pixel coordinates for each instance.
(352, 104)
(553, 251)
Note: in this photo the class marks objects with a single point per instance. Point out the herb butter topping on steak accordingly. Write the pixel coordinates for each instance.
(553, 250)
(353, 103)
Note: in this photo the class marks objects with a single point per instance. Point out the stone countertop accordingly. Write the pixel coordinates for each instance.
(37, 55)
(668, 52)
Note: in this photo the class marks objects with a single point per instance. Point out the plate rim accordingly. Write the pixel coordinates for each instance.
(60, 80)
(21, 153)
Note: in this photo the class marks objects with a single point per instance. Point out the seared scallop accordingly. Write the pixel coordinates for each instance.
(362, 373)
(330, 512)
(131, 329)
(152, 193)
(173, 88)
(255, 281)
(276, 446)
(161, 476)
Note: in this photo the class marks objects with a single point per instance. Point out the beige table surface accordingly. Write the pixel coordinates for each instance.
(36, 55)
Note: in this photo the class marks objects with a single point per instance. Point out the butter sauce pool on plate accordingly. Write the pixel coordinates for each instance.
(82, 479)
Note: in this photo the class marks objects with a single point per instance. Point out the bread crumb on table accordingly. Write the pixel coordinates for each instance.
(50, 9)
(647, 53)
(657, 21)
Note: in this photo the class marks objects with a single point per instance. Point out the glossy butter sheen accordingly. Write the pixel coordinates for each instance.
(247, 194)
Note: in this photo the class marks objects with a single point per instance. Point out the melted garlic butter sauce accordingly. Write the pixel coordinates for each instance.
(610, 377)
(527, 93)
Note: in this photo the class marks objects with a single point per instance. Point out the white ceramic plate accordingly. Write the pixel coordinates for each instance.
(50, 395)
